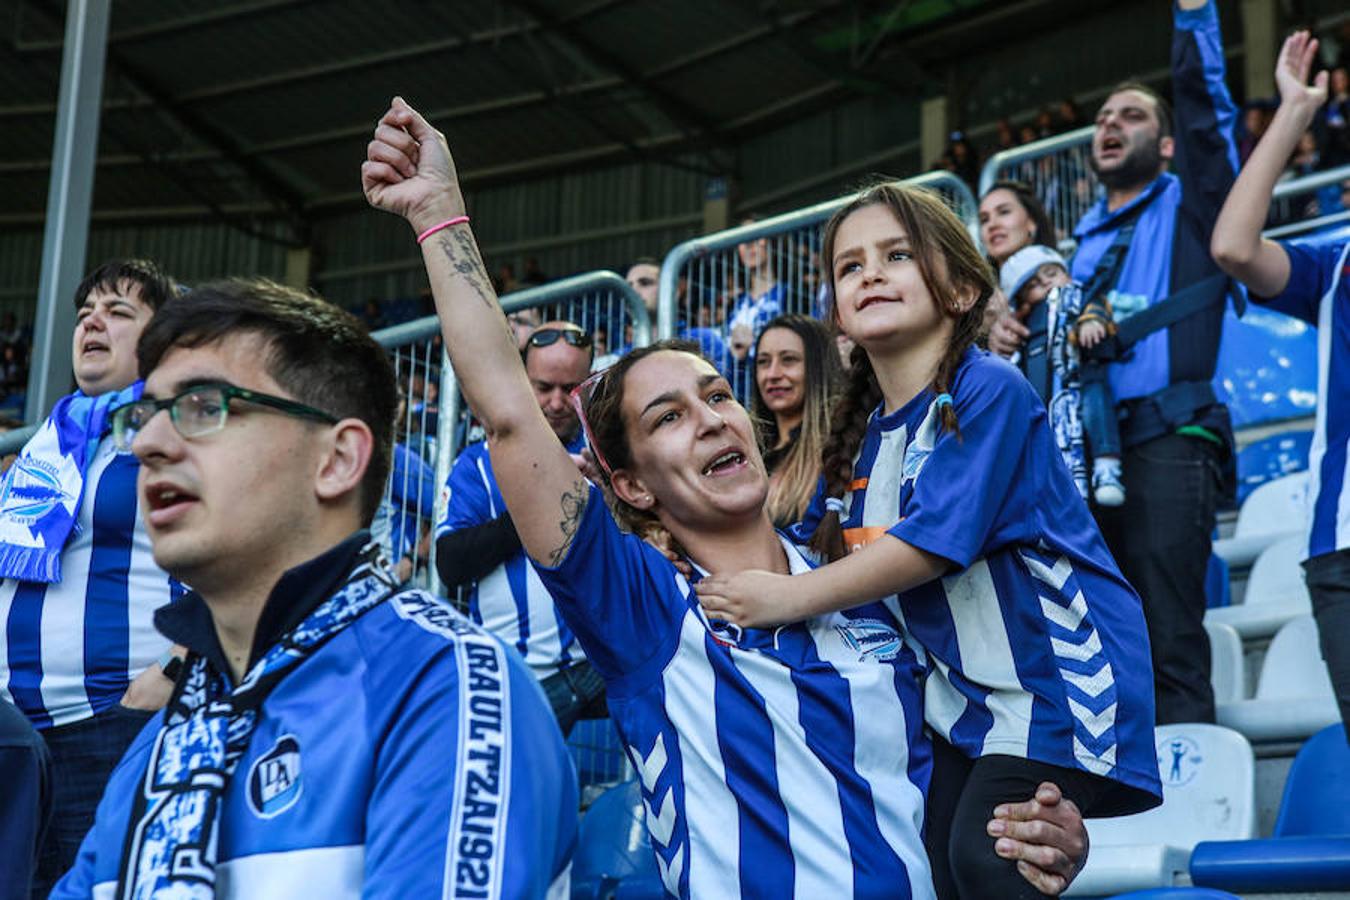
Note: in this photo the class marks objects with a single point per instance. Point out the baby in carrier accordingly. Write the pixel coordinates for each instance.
(1036, 282)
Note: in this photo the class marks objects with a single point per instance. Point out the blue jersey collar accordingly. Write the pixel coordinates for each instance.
(188, 621)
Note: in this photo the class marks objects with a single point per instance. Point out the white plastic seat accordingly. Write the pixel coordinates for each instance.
(1227, 663)
(1275, 510)
(1208, 794)
(1294, 697)
(1275, 591)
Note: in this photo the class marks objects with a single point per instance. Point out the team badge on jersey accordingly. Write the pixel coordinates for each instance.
(872, 639)
(274, 779)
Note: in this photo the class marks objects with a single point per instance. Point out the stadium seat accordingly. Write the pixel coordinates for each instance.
(1227, 663)
(1178, 893)
(1208, 794)
(1270, 458)
(1275, 593)
(1218, 590)
(1274, 510)
(1310, 849)
(614, 856)
(1294, 697)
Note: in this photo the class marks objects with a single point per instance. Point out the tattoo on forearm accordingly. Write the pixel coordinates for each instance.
(573, 505)
(462, 254)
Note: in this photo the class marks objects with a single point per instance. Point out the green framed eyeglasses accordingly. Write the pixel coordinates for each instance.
(202, 410)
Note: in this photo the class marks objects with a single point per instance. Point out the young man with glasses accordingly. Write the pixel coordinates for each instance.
(78, 649)
(331, 734)
(477, 546)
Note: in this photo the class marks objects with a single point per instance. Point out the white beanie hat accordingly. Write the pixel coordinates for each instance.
(1018, 268)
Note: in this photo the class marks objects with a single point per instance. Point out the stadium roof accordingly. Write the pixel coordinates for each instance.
(241, 108)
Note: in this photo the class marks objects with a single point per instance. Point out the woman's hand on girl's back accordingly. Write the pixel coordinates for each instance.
(751, 599)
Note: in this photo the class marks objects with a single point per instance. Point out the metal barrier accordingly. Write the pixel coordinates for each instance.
(13, 441)
(1059, 170)
(719, 289)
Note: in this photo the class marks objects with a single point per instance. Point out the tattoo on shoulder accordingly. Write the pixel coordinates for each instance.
(462, 254)
(573, 504)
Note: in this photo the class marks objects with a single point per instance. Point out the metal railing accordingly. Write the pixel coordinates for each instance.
(1059, 170)
(12, 441)
(594, 300)
(719, 288)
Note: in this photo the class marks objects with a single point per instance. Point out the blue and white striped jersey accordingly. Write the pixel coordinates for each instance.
(1319, 293)
(510, 601)
(1037, 643)
(410, 756)
(69, 650)
(782, 763)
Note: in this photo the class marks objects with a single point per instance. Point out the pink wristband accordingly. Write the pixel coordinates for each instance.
(457, 220)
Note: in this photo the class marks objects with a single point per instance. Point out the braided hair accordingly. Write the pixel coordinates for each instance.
(952, 268)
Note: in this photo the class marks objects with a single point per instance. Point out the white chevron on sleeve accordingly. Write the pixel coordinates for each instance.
(1099, 764)
(1068, 618)
(1078, 652)
(1055, 577)
(1092, 685)
(670, 873)
(650, 766)
(1095, 723)
(663, 826)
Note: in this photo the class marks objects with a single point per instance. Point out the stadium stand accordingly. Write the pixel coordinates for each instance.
(1228, 665)
(1273, 510)
(1294, 699)
(1275, 592)
(614, 857)
(1208, 794)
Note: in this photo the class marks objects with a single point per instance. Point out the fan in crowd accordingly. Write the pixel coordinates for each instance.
(1310, 281)
(797, 379)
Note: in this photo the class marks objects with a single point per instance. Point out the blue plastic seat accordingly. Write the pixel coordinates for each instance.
(614, 855)
(1178, 893)
(1311, 847)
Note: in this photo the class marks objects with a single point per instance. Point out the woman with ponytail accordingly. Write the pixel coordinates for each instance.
(944, 496)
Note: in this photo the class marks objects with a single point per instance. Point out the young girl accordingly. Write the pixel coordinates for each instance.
(772, 763)
(942, 479)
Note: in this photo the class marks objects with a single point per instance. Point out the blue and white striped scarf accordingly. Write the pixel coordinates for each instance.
(41, 493)
(172, 832)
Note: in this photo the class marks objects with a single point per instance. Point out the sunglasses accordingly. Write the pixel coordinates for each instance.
(580, 396)
(547, 336)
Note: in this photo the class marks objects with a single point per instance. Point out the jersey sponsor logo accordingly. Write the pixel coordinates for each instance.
(32, 488)
(872, 639)
(274, 779)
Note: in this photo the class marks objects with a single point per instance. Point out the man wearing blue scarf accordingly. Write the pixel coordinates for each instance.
(78, 649)
(331, 734)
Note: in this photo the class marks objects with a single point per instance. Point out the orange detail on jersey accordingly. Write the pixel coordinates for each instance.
(858, 484)
(857, 538)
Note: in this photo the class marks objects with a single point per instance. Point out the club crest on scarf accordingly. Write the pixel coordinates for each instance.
(207, 727)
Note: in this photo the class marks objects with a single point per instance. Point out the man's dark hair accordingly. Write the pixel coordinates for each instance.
(645, 261)
(1160, 104)
(317, 352)
(153, 286)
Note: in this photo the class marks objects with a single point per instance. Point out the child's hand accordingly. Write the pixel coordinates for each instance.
(1090, 334)
(751, 599)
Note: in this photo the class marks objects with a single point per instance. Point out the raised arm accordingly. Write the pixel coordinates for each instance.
(1237, 244)
(408, 171)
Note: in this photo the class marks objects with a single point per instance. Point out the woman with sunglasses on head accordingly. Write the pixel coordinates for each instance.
(797, 374)
(772, 763)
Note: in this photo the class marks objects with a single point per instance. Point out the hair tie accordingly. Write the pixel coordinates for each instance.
(441, 226)
(835, 505)
(943, 399)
